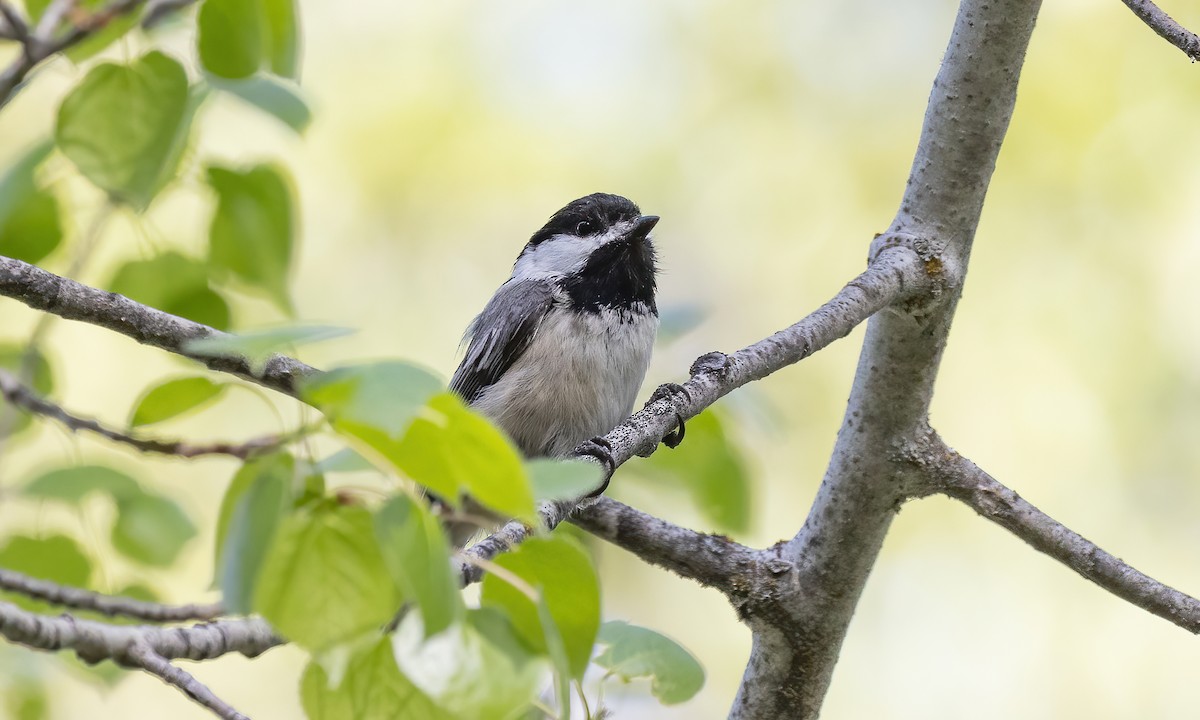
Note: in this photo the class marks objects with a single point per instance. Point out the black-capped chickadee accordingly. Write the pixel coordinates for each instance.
(558, 354)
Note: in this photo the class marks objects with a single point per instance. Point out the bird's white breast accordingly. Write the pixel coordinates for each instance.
(578, 378)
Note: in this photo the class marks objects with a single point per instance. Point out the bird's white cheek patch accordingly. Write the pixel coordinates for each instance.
(560, 255)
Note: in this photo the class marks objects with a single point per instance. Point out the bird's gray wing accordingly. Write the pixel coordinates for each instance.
(500, 334)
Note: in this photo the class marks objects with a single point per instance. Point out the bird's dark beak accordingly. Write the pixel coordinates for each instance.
(643, 227)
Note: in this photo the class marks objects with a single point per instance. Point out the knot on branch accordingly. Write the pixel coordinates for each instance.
(938, 271)
(761, 587)
(714, 363)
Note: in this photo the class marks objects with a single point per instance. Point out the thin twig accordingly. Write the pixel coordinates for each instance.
(53, 35)
(94, 641)
(143, 656)
(17, 29)
(51, 20)
(111, 605)
(959, 478)
(158, 10)
(23, 397)
(1166, 27)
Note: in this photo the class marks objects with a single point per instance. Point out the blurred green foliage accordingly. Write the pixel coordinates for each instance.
(774, 140)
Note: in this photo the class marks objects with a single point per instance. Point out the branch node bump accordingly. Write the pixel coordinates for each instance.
(715, 363)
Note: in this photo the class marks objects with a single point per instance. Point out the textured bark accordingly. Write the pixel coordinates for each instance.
(144, 657)
(959, 478)
(95, 641)
(111, 605)
(797, 637)
(1166, 27)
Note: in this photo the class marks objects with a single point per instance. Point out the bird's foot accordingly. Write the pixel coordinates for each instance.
(600, 449)
(667, 391)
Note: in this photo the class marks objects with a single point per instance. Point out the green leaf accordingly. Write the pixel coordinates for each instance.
(252, 510)
(27, 701)
(373, 403)
(638, 652)
(30, 228)
(324, 580)
(229, 37)
(343, 461)
(384, 396)
(451, 448)
(56, 558)
(476, 669)
(557, 649)
(259, 346)
(33, 230)
(18, 181)
(95, 43)
(562, 573)
(282, 37)
(371, 687)
(174, 397)
(279, 464)
(151, 529)
(35, 8)
(238, 37)
(417, 554)
(124, 126)
(273, 96)
(71, 485)
(42, 377)
(710, 469)
(175, 284)
(252, 233)
(563, 479)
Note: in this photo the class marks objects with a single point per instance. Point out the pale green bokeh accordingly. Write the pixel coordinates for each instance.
(774, 139)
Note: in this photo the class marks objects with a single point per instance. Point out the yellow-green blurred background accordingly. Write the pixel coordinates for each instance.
(773, 138)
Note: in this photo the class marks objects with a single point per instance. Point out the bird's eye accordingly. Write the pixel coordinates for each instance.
(583, 228)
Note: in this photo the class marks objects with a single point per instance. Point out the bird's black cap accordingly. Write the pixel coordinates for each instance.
(589, 215)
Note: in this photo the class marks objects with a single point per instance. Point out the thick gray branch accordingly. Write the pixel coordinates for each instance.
(94, 641)
(111, 605)
(68, 299)
(1166, 27)
(798, 634)
(712, 560)
(959, 478)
